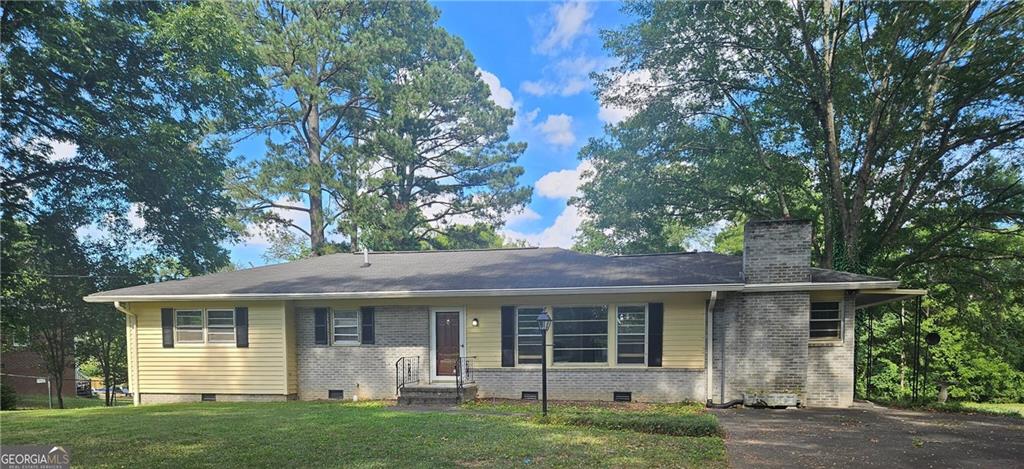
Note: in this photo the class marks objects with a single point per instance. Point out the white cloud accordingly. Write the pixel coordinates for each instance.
(522, 216)
(557, 130)
(537, 88)
(567, 77)
(499, 94)
(635, 84)
(62, 150)
(562, 184)
(559, 234)
(557, 185)
(569, 21)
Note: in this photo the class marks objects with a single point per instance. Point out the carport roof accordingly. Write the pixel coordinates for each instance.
(472, 272)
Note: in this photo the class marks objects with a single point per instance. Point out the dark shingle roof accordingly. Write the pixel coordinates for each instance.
(495, 269)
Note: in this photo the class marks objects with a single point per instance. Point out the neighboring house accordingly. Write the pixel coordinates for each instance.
(22, 368)
(337, 326)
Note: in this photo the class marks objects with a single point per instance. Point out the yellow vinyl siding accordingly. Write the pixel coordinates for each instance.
(214, 368)
(292, 374)
(683, 343)
(829, 295)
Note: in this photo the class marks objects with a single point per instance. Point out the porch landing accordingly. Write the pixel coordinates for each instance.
(435, 394)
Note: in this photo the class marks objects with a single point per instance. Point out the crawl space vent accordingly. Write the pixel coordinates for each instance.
(335, 394)
(529, 395)
(209, 397)
(619, 396)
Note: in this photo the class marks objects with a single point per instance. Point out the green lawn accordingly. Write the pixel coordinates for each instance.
(39, 401)
(341, 435)
(1016, 410)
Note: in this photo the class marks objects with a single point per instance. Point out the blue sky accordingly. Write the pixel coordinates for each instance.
(536, 57)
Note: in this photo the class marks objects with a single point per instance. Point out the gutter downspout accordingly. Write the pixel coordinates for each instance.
(708, 346)
(133, 325)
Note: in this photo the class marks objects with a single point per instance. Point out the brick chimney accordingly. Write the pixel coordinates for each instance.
(777, 251)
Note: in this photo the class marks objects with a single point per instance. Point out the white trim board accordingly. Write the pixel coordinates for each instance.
(762, 287)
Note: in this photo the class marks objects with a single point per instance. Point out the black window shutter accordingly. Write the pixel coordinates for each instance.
(241, 326)
(320, 325)
(167, 324)
(508, 336)
(656, 313)
(366, 315)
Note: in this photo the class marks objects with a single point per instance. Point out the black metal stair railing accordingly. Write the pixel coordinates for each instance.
(407, 371)
(463, 374)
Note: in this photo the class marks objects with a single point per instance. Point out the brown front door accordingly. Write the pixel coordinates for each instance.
(446, 330)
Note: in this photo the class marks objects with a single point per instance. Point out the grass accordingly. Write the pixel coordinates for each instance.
(1008, 409)
(683, 419)
(39, 401)
(1015, 410)
(365, 434)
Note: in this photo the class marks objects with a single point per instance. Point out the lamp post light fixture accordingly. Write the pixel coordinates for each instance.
(543, 323)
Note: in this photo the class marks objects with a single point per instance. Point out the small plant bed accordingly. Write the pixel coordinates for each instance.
(678, 419)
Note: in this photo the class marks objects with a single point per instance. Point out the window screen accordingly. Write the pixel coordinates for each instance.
(826, 320)
(529, 338)
(220, 326)
(580, 334)
(188, 326)
(346, 327)
(631, 334)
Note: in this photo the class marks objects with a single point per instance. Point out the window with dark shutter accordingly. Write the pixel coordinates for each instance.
(320, 318)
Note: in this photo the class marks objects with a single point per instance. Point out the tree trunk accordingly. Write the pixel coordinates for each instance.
(316, 208)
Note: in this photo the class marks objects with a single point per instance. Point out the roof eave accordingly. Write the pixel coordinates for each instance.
(802, 286)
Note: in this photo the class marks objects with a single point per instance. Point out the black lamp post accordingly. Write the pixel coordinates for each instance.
(543, 323)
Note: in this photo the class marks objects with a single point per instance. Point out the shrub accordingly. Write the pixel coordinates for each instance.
(8, 398)
(666, 424)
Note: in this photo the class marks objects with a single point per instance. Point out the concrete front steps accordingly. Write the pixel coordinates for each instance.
(435, 394)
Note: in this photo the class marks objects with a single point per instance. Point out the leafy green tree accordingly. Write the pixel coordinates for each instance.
(475, 236)
(440, 147)
(381, 131)
(869, 117)
(47, 309)
(136, 90)
(137, 97)
(895, 126)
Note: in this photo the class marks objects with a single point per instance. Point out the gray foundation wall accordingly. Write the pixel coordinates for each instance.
(645, 384)
(154, 398)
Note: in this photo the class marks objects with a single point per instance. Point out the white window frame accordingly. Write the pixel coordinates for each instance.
(201, 329)
(543, 337)
(842, 322)
(358, 325)
(607, 348)
(234, 327)
(647, 336)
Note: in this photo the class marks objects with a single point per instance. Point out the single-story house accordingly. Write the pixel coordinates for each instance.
(660, 327)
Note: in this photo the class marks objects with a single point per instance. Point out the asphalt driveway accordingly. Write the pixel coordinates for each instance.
(870, 436)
